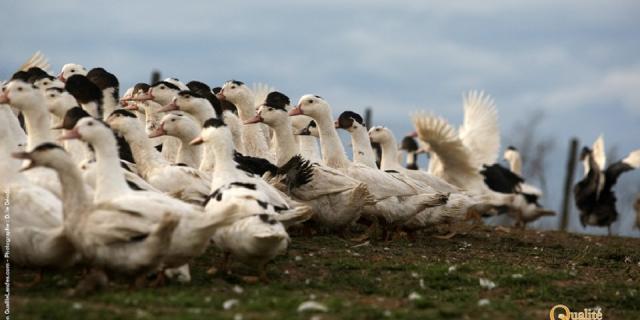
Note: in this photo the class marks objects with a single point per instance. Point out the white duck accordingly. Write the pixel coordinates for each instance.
(396, 201)
(71, 69)
(185, 128)
(254, 137)
(35, 215)
(260, 235)
(201, 108)
(194, 228)
(181, 182)
(459, 202)
(337, 200)
(30, 101)
(459, 158)
(307, 141)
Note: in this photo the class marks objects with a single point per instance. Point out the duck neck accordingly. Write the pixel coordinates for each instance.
(204, 112)
(188, 154)
(246, 106)
(389, 159)
(93, 108)
(332, 149)
(110, 101)
(308, 145)
(515, 163)
(411, 159)
(37, 122)
(362, 150)
(74, 195)
(145, 154)
(110, 181)
(222, 153)
(286, 146)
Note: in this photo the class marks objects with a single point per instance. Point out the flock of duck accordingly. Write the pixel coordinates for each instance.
(143, 183)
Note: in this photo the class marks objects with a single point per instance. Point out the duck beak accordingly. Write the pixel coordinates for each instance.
(71, 134)
(256, 119)
(413, 134)
(24, 156)
(158, 132)
(336, 124)
(220, 96)
(196, 141)
(296, 111)
(61, 77)
(170, 107)
(4, 98)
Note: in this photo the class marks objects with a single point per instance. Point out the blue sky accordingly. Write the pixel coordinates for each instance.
(579, 61)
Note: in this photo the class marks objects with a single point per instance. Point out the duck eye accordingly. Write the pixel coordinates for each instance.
(310, 101)
(73, 70)
(90, 123)
(161, 87)
(52, 95)
(45, 83)
(233, 87)
(270, 109)
(19, 88)
(173, 120)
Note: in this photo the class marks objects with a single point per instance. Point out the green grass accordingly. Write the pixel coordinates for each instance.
(374, 281)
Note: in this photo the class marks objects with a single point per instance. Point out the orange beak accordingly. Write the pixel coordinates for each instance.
(296, 111)
(158, 132)
(170, 107)
(196, 141)
(256, 119)
(4, 98)
(71, 134)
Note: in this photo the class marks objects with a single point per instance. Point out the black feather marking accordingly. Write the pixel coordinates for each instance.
(56, 89)
(159, 147)
(141, 86)
(264, 217)
(262, 204)
(139, 238)
(166, 84)
(125, 166)
(501, 179)
(83, 89)
(254, 165)
(180, 164)
(47, 146)
(124, 150)
(72, 116)
(279, 209)
(277, 100)
(134, 186)
(409, 144)
(213, 122)
(124, 113)
(250, 186)
(297, 172)
(236, 82)
(391, 171)
(104, 80)
(512, 148)
(345, 120)
(36, 74)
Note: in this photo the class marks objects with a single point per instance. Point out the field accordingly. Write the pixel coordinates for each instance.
(426, 279)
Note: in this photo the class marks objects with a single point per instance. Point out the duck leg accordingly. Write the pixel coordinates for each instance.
(36, 279)
(368, 234)
(94, 281)
(159, 281)
(223, 266)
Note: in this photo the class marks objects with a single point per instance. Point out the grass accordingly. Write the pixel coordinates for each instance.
(532, 271)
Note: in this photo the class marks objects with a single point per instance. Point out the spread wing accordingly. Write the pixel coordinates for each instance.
(480, 131)
(457, 165)
(36, 60)
(260, 92)
(599, 154)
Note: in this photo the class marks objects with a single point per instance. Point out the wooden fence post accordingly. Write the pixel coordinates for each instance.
(155, 76)
(568, 184)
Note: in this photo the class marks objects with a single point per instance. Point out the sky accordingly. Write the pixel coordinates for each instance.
(578, 61)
